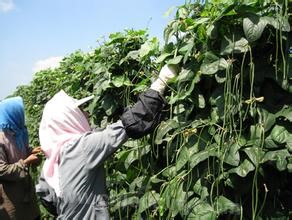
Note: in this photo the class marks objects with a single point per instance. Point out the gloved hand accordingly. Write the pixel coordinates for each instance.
(166, 73)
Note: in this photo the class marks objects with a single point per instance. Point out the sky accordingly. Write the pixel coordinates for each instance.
(37, 34)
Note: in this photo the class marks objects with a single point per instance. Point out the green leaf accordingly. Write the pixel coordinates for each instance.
(174, 197)
(212, 64)
(102, 85)
(279, 134)
(201, 190)
(164, 128)
(162, 57)
(289, 143)
(99, 68)
(133, 143)
(253, 27)
(141, 86)
(109, 104)
(149, 199)
(170, 172)
(201, 100)
(214, 115)
(169, 31)
(231, 154)
(176, 60)
(220, 77)
(121, 80)
(243, 169)
(182, 13)
(278, 156)
(149, 48)
(202, 20)
(154, 179)
(202, 155)
(187, 50)
(202, 210)
(185, 75)
(224, 205)
(137, 183)
(178, 198)
(179, 109)
(285, 112)
(116, 37)
(256, 132)
(279, 23)
(185, 90)
(125, 201)
(186, 47)
(255, 154)
(269, 120)
(134, 55)
(270, 144)
(212, 31)
(136, 154)
(183, 158)
(217, 100)
(233, 44)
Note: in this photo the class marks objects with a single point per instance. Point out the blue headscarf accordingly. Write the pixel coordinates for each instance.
(12, 118)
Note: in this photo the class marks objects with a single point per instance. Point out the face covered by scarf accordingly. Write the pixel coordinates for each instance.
(62, 123)
(12, 118)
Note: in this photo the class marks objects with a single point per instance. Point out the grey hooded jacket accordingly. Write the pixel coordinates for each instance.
(82, 179)
(81, 170)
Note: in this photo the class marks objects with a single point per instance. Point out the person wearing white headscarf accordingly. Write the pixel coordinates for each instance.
(75, 153)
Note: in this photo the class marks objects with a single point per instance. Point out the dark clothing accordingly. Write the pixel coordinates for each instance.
(145, 115)
(17, 193)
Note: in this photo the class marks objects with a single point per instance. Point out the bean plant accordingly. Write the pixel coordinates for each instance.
(223, 149)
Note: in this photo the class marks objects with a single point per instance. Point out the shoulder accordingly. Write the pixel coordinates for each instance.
(6, 137)
(7, 140)
(2, 137)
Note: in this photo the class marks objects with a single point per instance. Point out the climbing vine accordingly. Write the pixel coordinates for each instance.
(223, 149)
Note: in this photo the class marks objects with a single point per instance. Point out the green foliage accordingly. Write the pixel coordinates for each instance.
(224, 148)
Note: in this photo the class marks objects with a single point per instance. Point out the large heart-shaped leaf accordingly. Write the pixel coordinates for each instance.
(212, 64)
(253, 27)
(243, 169)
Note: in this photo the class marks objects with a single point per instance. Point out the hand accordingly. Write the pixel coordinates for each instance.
(36, 150)
(32, 159)
(166, 73)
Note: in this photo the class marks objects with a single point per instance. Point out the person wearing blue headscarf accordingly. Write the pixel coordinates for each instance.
(12, 118)
(17, 194)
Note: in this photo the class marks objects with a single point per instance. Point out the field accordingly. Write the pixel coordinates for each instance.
(224, 147)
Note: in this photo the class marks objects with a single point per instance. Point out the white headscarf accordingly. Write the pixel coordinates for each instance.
(62, 122)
